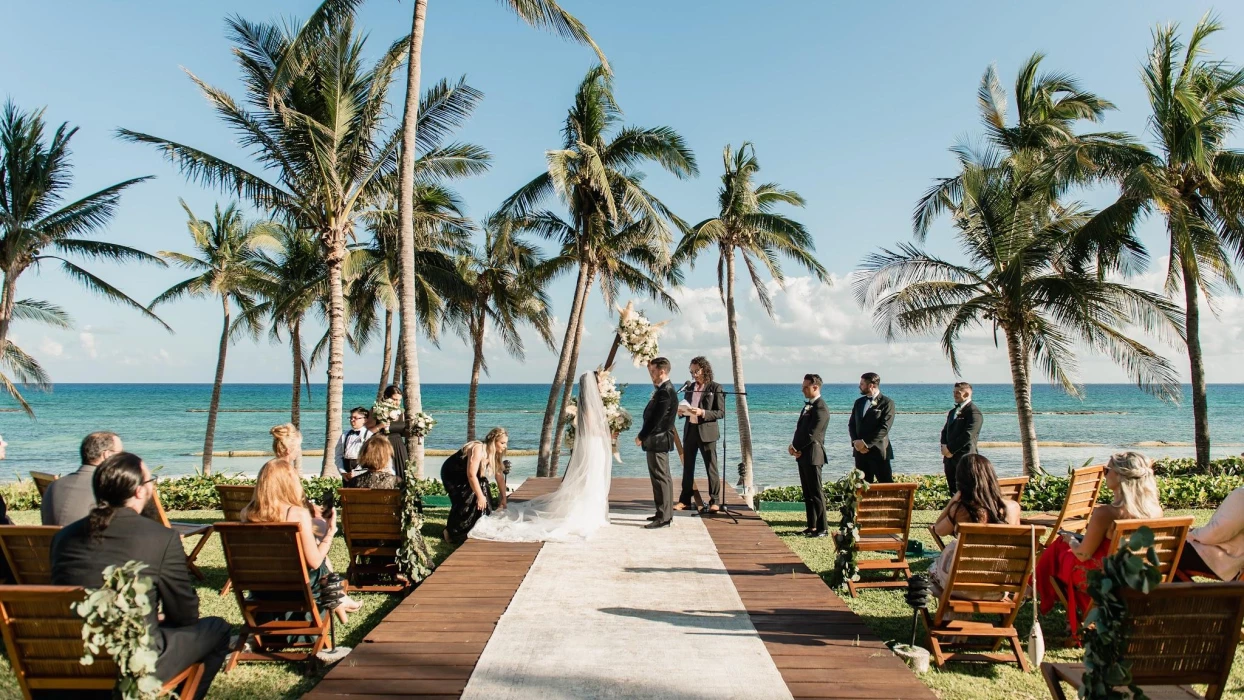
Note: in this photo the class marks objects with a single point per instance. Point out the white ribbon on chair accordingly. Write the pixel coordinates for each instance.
(1036, 640)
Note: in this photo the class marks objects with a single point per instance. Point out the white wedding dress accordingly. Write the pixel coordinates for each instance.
(580, 506)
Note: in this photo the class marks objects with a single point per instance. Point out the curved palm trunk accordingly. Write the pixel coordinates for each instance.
(477, 345)
(559, 377)
(209, 439)
(1023, 402)
(387, 363)
(295, 403)
(1200, 402)
(406, 238)
(740, 399)
(568, 385)
(7, 301)
(336, 357)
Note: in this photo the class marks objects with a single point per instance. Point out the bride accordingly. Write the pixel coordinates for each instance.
(580, 506)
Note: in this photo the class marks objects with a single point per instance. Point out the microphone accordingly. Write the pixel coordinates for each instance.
(686, 385)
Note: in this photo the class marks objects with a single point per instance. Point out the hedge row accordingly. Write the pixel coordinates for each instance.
(1180, 485)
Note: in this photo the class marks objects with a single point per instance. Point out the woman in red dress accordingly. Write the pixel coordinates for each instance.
(1068, 560)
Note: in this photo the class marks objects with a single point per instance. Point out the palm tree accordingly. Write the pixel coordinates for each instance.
(617, 230)
(320, 137)
(1195, 181)
(292, 279)
(544, 14)
(1024, 276)
(747, 224)
(225, 269)
(506, 287)
(16, 367)
(37, 227)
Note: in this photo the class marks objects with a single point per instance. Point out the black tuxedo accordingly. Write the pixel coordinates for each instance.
(702, 437)
(871, 423)
(809, 442)
(656, 436)
(183, 638)
(959, 435)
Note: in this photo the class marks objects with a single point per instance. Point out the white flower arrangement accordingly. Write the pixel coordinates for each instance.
(638, 335)
(619, 418)
(386, 411)
(421, 424)
(115, 622)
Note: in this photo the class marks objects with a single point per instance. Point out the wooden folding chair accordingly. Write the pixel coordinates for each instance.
(185, 530)
(883, 514)
(1180, 634)
(269, 575)
(28, 549)
(43, 637)
(1012, 489)
(1078, 505)
(372, 522)
(233, 498)
(989, 575)
(43, 480)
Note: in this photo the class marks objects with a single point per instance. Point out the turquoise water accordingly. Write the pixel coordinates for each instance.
(164, 423)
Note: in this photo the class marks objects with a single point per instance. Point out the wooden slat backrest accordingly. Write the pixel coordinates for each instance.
(42, 481)
(1082, 491)
(155, 499)
(28, 549)
(43, 637)
(371, 514)
(1169, 536)
(885, 509)
(1013, 488)
(233, 498)
(991, 561)
(264, 556)
(1184, 633)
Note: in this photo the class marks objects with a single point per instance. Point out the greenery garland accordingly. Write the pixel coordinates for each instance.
(1105, 628)
(846, 539)
(414, 557)
(116, 623)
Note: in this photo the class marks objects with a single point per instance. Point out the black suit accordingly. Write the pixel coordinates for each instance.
(183, 638)
(871, 423)
(809, 442)
(702, 437)
(656, 437)
(959, 435)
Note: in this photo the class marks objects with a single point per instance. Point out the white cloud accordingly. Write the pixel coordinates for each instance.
(50, 348)
(87, 340)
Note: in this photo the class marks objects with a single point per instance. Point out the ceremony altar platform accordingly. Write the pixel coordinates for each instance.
(705, 609)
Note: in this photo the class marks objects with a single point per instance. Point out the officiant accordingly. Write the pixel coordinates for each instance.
(703, 404)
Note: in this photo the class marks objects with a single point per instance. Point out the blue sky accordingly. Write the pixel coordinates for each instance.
(852, 104)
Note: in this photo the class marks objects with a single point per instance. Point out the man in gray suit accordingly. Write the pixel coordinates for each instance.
(656, 437)
(70, 497)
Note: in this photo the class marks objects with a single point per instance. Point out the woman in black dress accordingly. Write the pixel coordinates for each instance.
(465, 476)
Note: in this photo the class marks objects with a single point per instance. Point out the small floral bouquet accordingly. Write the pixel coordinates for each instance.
(386, 411)
(115, 623)
(638, 335)
(421, 424)
(619, 418)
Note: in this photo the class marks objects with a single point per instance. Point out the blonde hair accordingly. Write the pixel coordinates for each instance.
(376, 454)
(489, 444)
(285, 437)
(277, 488)
(1137, 495)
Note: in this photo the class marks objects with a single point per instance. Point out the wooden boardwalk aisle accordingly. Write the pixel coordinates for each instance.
(428, 646)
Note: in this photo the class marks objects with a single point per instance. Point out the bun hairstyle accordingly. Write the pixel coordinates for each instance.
(1137, 495)
(285, 437)
(115, 482)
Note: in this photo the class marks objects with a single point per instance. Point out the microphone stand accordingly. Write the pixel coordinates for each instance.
(725, 506)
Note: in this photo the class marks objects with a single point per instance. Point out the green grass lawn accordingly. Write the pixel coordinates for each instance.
(885, 611)
(260, 680)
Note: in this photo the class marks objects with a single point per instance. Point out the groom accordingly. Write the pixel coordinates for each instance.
(656, 437)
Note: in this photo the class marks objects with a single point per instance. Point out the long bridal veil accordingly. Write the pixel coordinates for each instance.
(580, 506)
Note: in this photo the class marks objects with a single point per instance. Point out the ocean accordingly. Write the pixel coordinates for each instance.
(164, 423)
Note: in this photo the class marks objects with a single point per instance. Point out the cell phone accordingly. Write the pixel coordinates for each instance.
(327, 503)
(1078, 535)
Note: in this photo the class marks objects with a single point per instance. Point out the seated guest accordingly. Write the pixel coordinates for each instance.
(279, 498)
(346, 454)
(1218, 547)
(69, 498)
(373, 459)
(287, 445)
(115, 533)
(465, 476)
(1069, 559)
(978, 500)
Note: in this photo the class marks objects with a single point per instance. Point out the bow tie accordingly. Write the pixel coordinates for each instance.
(353, 432)
(808, 403)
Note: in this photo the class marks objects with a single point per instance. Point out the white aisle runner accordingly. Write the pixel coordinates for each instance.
(632, 613)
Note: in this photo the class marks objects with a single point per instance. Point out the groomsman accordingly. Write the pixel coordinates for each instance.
(707, 403)
(808, 449)
(656, 437)
(959, 434)
(869, 427)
